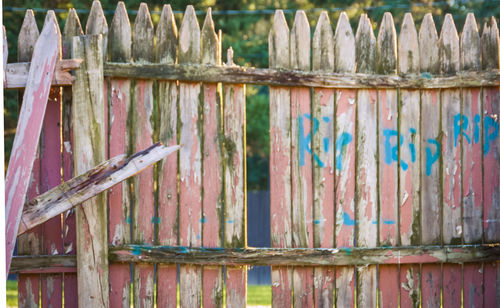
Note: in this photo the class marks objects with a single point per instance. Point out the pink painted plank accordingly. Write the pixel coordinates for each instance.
(473, 285)
(388, 167)
(452, 285)
(491, 163)
(410, 285)
(167, 286)
(388, 286)
(236, 287)
(345, 284)
(431, 285)
(28, 131)
(51, 163)
(491, 284)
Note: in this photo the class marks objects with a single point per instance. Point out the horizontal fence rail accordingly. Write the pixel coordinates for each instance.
(293, 78)
(384, 164)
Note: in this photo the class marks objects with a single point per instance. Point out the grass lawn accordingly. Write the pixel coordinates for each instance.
(256, 295)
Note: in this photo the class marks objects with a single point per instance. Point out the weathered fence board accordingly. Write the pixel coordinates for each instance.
(320, 128)
(120, 42)
(213, 185)
(166, 42)
(280, 158)
(89, 118)
(28, 131)
(372, 146)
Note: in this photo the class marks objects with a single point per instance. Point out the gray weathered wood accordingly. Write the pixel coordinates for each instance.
(409, 177)
(472, 177)
(366, 164)
(190, 160)
(27, 37)
(449, 58)
(97, 24)
(289, 78)
(81, 188)
(89, 118)
(280, 157)
(306, 256)
(430, 126)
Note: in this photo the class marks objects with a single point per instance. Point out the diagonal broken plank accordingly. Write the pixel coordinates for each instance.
(28, 130)
(83, 187)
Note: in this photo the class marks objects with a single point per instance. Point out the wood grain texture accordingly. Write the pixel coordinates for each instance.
(492, 275)
(431, 141)
(452, 140)
(490, 43)
(431, 285)
(143, 212)
(89, 137)
(452, 285)
(410, 134)
(410, 281)
(213, 185)
(119, 198)
(472, 173)
(28, 285)
(72, 27)
(191, 130)
(28, 132)
(279, 163)
(473, 285)
(302, 196)
(50, 174)
(366, 165)
(168, 201)
(345, 164)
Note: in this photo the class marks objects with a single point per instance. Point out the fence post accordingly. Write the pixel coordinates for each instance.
(89, 118)
(120, 38)
(280, 155)
(322, 158)
(168, 199)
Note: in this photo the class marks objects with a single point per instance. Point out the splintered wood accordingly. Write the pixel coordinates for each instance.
(384, 162)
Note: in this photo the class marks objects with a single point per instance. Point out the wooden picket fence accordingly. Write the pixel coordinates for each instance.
(384, 165)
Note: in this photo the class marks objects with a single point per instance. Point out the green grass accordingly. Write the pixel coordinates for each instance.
(11, 293)
(256, 295)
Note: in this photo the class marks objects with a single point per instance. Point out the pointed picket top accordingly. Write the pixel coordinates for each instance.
(323, 49)
(72, 28)
(51, 18)
(470, 49)
(490, 45)
(365, 46)
(345, 46)
(120, 35)
(300, 42)
(166, 36)
(449, 48)
(27, 37)
(386, 46)
(189, 38)
(428, 46)
(209, 41)
(279, 37)
(96, 23)
(143, 41)
(408, 52)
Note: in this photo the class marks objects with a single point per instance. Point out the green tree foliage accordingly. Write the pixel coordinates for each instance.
(247, 34)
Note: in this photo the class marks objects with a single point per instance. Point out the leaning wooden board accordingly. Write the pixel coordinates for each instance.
(28, 131)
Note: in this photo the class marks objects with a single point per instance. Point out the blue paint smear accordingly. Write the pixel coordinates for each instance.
(413, 131)
(343, 140)
(489, 135)
(391, 151)
(430, 158)
(230, 221)
(326, 119)
(426, 75)
(326, 144)
(389, 222)
(128, 220)
(136, 251)
(203, 220)
(374, 221)
(460, 124)
(477, 119)
(198, 236)
(347, 250)
(348, 221)
(317, 221)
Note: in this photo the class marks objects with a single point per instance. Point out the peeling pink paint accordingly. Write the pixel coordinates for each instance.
(388, 286)
(167, 291)
(452, 285)
(431, 285)
(473, 285)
